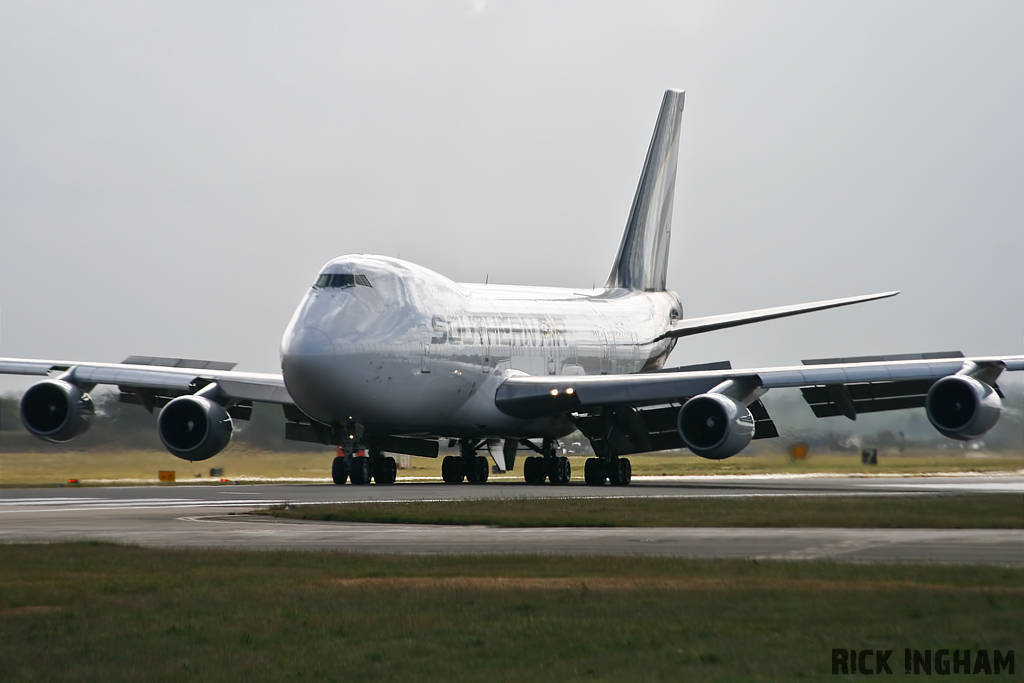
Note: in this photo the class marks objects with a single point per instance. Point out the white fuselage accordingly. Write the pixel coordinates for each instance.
(416, 353)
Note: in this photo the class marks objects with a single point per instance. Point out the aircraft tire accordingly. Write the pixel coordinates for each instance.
(339, 471)
(451, 470)
(563, 471)
(361, 471)
(550, 468)
(533, 470)
(593, 472)
(481, 470)
(620, 472)
(385, 470)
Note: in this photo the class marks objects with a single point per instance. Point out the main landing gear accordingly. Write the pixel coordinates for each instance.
(548, 465)
(617, 471)
(467, 465)
(362, 467)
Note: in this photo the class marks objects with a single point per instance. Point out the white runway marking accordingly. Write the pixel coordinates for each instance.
(960, 487)
(87, 504)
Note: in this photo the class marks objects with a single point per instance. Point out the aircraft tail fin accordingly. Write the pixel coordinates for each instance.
(642, 261)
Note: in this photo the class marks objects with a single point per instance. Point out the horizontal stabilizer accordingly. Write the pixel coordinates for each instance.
(684, 328)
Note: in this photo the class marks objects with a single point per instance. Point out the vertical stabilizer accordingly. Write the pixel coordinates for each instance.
(642, 262)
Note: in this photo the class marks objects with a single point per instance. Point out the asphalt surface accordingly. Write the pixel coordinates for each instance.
(211, 517)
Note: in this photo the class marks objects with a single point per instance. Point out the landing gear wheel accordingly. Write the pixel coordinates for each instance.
(561, 470)
(593, 472)
(339, 471)
(451, 470)
(620, 472)
(360, 470)
(533, 470)
(385, 470)
(480, 470)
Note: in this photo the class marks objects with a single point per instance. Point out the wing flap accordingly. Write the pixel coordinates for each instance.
(178, 363)
(263, 392)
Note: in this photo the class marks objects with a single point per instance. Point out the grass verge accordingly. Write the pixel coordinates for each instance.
(238, 462)
(971, 511)
(87, 612)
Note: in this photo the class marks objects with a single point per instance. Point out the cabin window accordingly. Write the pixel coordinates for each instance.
(338, 280)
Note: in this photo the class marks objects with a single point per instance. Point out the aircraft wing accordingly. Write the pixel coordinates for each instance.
(640, 413)
(531, 397)
(151, 381)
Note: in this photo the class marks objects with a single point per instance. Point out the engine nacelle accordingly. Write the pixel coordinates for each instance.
(56, 411)
(715, 426)
(194, 427)
(961, 407)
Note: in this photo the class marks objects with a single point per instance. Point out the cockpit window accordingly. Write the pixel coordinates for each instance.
(341, 280)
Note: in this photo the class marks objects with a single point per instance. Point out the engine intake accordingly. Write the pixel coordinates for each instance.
(194, 428)
(715, 426)
(961, 407)
(56, 411)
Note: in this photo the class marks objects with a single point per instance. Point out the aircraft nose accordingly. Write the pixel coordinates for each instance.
(308, 342)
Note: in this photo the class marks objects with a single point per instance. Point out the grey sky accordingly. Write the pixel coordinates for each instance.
(172, 175)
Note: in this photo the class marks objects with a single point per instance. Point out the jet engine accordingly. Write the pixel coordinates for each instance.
(715, 426)
(57, 411)
(194, 427)
(962, 407)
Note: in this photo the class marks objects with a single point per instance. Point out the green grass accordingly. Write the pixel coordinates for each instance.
(240, 462)
(92, 612)
(972, 511)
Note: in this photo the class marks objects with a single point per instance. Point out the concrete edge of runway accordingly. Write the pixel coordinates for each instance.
(511, 479)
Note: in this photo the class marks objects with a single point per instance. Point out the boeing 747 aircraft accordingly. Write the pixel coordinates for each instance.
(384, 356)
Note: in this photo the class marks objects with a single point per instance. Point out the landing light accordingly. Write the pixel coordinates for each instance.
(569, 390)
(554, 392)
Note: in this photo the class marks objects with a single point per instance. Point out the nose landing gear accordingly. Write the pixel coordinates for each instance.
(339, 469)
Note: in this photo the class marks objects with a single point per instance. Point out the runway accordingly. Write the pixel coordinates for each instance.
(207, 517)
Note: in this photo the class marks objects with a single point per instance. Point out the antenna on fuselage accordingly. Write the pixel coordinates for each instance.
(487, 278)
